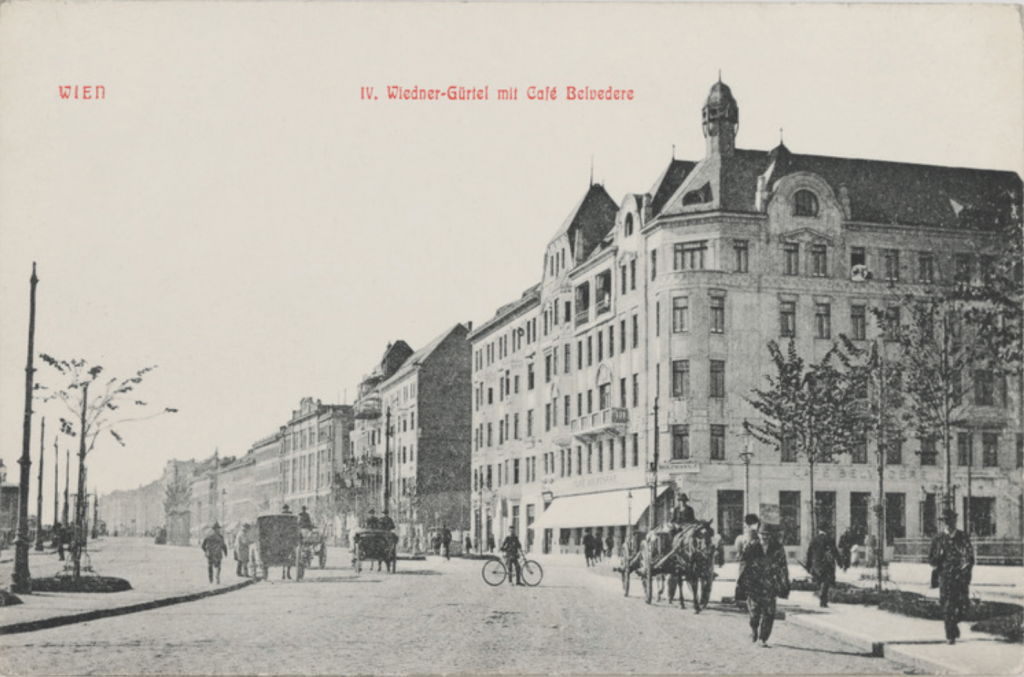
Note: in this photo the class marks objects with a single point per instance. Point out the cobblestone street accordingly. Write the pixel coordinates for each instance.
(432, 616)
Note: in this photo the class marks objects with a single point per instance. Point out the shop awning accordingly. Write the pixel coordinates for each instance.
(602, 509)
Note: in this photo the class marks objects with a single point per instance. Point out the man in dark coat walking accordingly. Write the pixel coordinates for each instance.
(215, 549)
(953, 557)
(763, 576)
(822, 555)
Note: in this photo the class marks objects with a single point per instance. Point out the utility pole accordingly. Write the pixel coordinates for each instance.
(387, 460)
(67, 482)
(56, 490)
(880, 554)
(21, 580)
(970, 467)
(39, 498)
(654, 471)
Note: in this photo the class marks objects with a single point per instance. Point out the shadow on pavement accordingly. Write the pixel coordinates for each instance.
(859, 654)
(425, 572)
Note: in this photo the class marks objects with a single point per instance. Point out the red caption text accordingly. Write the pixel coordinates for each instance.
(488, 93)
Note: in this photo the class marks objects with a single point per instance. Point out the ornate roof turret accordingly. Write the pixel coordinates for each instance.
(721, 119)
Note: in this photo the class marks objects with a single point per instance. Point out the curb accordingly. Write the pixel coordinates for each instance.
(878, 649)
(57, 621)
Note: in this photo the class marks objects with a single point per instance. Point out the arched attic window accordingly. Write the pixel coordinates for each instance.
(805, 203)
(628, 227)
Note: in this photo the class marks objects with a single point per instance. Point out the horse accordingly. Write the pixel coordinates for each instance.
(690, 557)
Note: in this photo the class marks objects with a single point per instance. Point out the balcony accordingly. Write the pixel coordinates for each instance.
(582, 316)
(604, 304)
(613, 421)
(368, 407)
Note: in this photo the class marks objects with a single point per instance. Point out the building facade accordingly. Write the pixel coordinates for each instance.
(648, 331)
(426, 402)
(315, 446)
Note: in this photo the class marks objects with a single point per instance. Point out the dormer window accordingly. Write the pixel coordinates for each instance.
(628, 227)
(805, 203)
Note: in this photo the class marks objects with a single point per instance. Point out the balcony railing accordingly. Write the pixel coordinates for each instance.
(582, 316)
(604, 304)
(612, 421)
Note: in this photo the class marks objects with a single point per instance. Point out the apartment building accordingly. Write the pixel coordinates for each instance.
(648, 331)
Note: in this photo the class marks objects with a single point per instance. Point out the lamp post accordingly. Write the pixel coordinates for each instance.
(652, 472)
(629, 517)
(652, 482)
(21, 579)
(746, 455)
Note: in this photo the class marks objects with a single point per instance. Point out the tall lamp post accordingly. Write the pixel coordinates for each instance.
(746, 455)
(652, 473)
(629, 519)
(652, 483)
(21, 580)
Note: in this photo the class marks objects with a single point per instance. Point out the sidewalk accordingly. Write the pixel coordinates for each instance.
(916, 642)
(159, 575)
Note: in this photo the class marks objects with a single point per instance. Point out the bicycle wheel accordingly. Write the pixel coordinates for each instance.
(532, 573)
(493, 572)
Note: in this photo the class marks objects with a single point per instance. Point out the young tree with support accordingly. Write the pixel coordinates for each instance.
(807, 411)
(111, 405)
(878, 406)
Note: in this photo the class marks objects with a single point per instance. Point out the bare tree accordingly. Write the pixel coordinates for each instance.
(112, 405)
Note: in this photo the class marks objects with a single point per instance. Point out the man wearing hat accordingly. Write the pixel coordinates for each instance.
(952, 556)
(215, 548)
(371, 520)
(763, 576)
(683, 512)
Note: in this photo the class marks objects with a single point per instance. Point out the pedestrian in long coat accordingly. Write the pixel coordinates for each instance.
(952, 556)
(763, 577)
(242, 541)
(822, 555)
(215, 549)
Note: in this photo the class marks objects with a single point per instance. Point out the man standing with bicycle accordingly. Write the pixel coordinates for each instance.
(511, 547)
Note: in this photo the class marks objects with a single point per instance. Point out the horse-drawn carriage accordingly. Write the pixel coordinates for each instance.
(312, 545)
(277, 542)
(375, 544)
(674, 554)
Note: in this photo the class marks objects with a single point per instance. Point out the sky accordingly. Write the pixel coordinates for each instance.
(234, 213)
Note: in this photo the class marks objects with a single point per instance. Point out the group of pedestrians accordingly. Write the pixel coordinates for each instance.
(764, 573)
(594, 549)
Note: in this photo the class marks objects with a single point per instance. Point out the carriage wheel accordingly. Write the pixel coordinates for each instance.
(493, 572)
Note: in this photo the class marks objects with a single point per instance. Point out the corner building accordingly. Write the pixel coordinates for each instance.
(649, 327)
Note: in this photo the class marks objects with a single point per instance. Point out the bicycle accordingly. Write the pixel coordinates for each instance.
(495, 572)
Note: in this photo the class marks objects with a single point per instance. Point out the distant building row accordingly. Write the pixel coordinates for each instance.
(331, 458)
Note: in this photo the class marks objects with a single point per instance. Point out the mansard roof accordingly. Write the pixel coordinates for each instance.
(879, 191)
(589, 220)
(669, 182)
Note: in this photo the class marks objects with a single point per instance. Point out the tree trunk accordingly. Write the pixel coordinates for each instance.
(76, 546)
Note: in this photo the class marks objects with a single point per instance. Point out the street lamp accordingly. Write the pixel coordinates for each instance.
(652, 482)
(746, 455)
(548, 497)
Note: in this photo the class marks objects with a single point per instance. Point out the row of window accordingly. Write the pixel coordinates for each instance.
(502, 346)
(602, 456)
(586, 348)
(928, 453)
